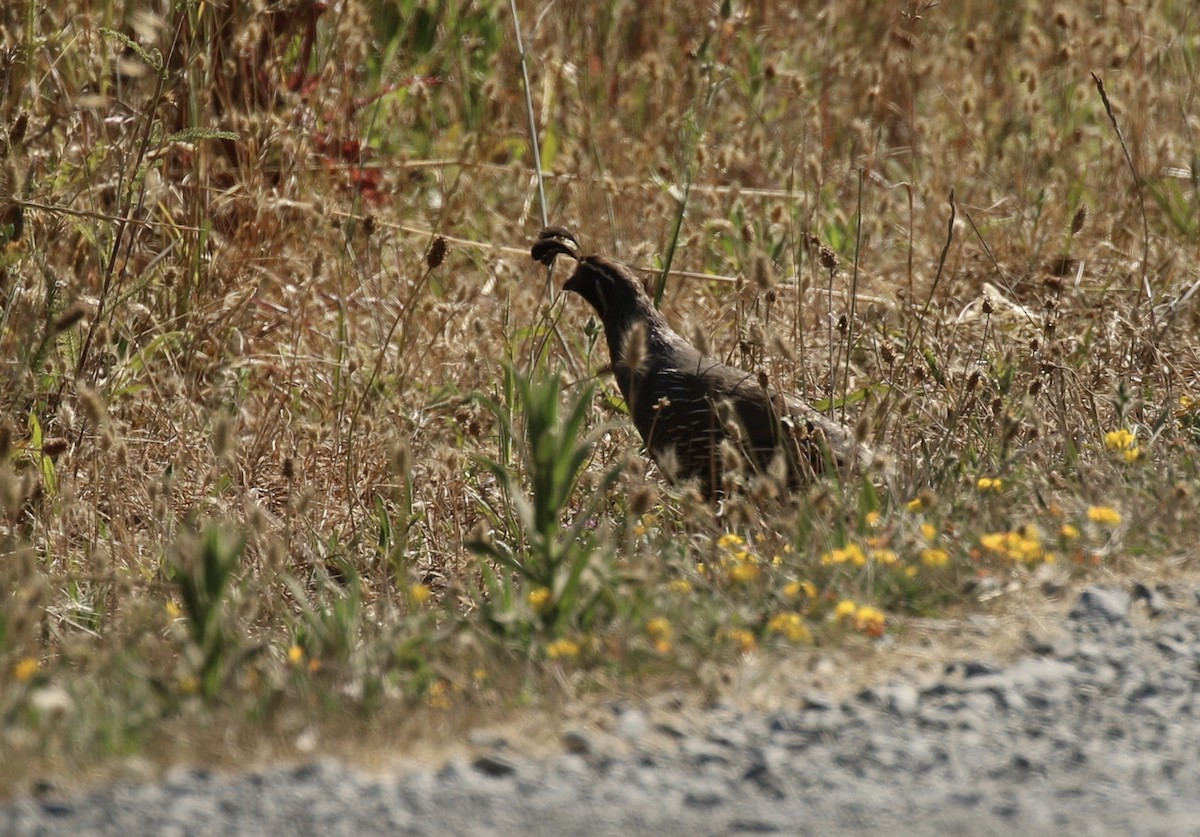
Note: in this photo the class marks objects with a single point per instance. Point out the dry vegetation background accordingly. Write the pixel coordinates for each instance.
(271, 339)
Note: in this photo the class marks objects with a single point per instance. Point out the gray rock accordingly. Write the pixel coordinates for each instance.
(1108, 604)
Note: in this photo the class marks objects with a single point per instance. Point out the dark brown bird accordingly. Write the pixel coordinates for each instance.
(697, 416)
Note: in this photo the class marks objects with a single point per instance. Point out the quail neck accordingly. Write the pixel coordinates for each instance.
(621, 305)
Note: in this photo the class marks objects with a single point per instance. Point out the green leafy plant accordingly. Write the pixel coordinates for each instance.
(545, 552)
(202, 571)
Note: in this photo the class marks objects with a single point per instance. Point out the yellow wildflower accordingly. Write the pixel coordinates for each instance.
(886, 557)
(1119, 439)
(659, 628)
(729, 541)
(659, 631)
(1068, 532)
(419, 593)
(438, 695)
(994, 484)
(173, 611)
(793, 589)
(870, 621)
(993, 541)
(742, 638)
(1023, 544)
(791, 625)
(295, 655)
(743, 572)
(915, 504)
(25, 668)
(935, 557)
(679, 585)
(845, 609)
(562, 648)
(1104, 515)
(1124, 442)
(539, 598)
(645, 524)
(873, 519)
(849, 554)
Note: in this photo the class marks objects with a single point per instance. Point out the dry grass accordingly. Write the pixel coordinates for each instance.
(262, 467)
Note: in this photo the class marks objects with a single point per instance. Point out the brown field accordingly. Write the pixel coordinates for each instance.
(271, 343)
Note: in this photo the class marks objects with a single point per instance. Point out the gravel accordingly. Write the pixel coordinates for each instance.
(1095, 730)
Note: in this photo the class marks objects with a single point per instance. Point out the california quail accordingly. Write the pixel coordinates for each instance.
(696, 415)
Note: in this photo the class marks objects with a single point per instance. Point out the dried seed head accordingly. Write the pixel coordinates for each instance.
(16, 134)
(987, 306)
(437, 253)
(668, 462)
(700, 340)
(399, 461)
(634, 348)
(731, 457)
(53, 448)
(92, 404)
(777, 470)
(764, 271)
(222, 438)
(70, 317)
(643, 500)
(1079, 219)
(862, 429)
(828, 258)
(10, 491)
